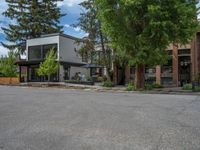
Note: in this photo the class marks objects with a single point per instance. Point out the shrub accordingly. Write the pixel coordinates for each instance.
(89, 79)
(197, 89)
(155, 85)
(187, 87)
(148, 86)
(100, 79)
(108, 84)
(130, 87)
(105, 78)
(197, 79)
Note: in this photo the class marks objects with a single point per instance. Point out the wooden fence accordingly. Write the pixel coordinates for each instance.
(9, 81)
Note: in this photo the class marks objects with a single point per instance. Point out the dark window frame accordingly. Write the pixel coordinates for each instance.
(42, 57)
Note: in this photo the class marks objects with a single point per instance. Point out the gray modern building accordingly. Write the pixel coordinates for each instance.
(67, 55)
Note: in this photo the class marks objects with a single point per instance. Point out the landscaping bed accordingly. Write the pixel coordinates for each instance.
(80, 82)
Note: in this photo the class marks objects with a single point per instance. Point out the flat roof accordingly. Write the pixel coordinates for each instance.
(57, 34)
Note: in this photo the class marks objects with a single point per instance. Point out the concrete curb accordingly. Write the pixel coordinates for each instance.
(104, 89)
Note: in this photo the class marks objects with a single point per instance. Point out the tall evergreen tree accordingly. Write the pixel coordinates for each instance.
(30, 19)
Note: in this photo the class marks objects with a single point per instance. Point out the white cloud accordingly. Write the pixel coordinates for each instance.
(3, 51)
(69, 3)
(77, 29)
(67, 26)
(3, 6)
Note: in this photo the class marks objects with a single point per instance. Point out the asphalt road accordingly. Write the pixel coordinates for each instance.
(59, 119)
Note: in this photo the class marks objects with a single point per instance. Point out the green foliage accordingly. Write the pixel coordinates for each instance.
(187, 87)
(157, 86)
(7, 65)
(120, 58)
(143, 29)
(151, 86)
(198, 78)
(50, 65)
(131, 87)
(100, 79)
(96, 39)
(89, 79)
(108, 84)
(148, 86)
(197, 89)
(105, 78)
(31, 19)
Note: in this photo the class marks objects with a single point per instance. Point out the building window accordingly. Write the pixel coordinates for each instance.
(66, 72)
(47, 48)
(150, 74)
(184, 52)
(34, 53)
(166, 73)
(39, 52)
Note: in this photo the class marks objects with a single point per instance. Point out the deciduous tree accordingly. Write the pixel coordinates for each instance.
(144, 28)
(90, 24)
(50, 65)
(7, 65)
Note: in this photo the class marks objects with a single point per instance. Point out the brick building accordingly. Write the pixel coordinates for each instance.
(183, 67)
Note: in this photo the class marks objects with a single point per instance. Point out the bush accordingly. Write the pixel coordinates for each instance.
(108, 84)
(105, 78)
(100, 79)
(197, 78)
(197, 89)
(89, 79)
(187, 87)
(148, 86)
(130, 87)
(157, 86)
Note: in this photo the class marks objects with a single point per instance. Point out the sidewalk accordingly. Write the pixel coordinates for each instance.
(116, 89)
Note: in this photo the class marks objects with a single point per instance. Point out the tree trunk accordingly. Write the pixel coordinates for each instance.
(49, 78)
(140, 76)
(108, 74)
(106, 63)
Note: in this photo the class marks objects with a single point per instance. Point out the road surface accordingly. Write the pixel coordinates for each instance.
(60, 119)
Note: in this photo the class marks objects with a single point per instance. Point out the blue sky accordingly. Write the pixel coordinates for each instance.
(70, 7)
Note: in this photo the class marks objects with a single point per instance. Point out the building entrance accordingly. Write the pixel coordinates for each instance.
(184, 70)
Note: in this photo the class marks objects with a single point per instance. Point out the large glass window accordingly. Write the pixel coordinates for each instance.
(39, 52)
(166, 73)
(34, 52)
(150, 74)
(47, 48)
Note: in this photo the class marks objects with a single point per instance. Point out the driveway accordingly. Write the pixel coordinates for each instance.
(59, 119)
